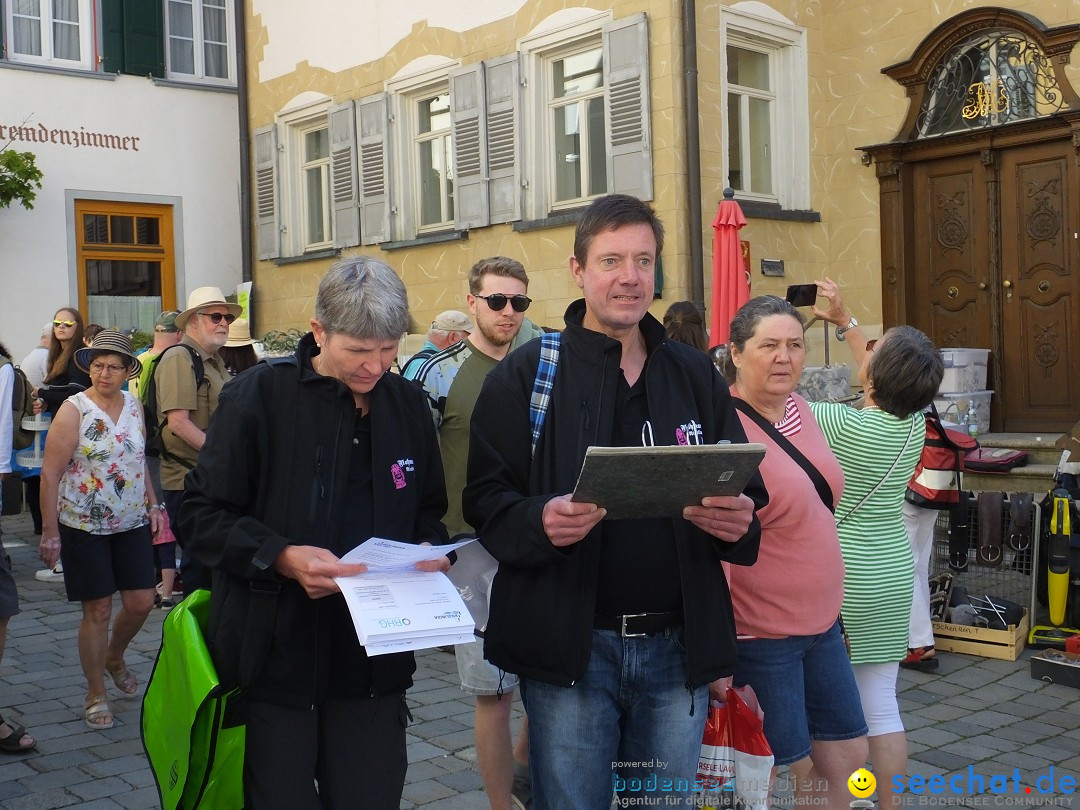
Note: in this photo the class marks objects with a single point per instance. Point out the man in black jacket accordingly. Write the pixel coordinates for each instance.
(303, 462)
(615, 627)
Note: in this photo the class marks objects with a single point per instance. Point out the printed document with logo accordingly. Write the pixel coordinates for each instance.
(394, 607)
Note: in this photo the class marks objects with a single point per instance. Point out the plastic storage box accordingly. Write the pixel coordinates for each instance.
(965, 370)
(954, 407)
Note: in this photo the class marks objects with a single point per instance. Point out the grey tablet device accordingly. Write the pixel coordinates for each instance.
(650, 482)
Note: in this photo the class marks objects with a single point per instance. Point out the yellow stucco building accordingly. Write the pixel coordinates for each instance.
(434, 134)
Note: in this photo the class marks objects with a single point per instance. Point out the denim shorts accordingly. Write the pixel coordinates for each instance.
(478, 675)
(807, 689)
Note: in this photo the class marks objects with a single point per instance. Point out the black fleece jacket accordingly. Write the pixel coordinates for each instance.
(542, 601)
(262, 484)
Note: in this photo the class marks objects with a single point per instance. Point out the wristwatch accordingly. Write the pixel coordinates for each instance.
(841, 329)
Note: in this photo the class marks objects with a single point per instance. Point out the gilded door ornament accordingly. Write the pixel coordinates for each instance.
(1043, 220)
(1046, 350)
(952, 228)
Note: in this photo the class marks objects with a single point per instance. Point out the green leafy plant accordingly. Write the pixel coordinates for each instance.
(141, 339)
(281, 343)
(19, 177)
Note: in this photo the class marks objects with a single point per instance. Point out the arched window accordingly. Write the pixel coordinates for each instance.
(989, 79)
(984, 68)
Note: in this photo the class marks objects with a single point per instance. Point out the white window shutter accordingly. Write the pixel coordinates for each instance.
(471, 208)
(502, 83)
(626, 106)
(267, 233)
(343, 185)
(374, 169)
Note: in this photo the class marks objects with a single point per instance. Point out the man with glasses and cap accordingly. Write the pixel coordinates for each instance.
(186, 399)
(452, 379)
(448, 328)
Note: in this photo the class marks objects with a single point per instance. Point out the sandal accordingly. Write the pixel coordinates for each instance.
(921, 659)
(97, 714)
(124, 680)
(12, 743)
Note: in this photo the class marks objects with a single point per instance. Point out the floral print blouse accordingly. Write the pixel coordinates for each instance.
(103, 491)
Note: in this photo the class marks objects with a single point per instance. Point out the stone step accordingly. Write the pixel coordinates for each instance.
(1036, 476)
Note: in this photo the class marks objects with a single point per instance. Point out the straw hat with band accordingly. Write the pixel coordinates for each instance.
(205, 297)
(239, 334)
(113, 342)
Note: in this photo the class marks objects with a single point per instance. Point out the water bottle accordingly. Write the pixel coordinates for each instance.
(972, 419)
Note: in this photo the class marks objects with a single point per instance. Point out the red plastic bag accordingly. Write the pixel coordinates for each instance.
(736, 760)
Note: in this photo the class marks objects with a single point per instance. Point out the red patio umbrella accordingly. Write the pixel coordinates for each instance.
(731, 285)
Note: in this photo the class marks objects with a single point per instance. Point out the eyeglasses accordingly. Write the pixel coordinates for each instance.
(58, 324)
(103, 368)
(870, 344)
(497, 301)
(216, 317)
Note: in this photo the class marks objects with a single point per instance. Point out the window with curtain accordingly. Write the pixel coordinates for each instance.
(124, 253)
(200, 41)
(50, 32)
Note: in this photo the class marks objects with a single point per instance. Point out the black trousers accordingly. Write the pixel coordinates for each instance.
(354, 749)
(193, 574)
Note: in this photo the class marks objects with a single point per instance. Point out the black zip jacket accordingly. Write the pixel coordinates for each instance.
(542, 600)
(261, 485)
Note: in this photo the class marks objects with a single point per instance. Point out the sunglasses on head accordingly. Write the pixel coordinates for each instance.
(58, 324)
(497, 301)
(216, 317)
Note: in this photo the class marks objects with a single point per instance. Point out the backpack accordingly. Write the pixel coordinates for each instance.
(155, 443)
(22, 407)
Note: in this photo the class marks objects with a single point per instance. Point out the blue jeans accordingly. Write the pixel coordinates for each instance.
(630, 723)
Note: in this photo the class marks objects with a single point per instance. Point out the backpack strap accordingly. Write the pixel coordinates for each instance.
(151, 396)
(544, 382)
(263, 595)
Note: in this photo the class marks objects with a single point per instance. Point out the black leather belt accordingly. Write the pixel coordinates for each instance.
(639, 624)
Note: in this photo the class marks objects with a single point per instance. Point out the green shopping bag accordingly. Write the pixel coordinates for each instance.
(189, 730)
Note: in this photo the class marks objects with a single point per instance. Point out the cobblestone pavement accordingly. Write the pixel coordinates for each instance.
(980, 712)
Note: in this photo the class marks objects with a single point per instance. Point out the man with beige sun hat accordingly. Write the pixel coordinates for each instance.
(188, 384)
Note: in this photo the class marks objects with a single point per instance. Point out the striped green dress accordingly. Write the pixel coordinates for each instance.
(879, 572)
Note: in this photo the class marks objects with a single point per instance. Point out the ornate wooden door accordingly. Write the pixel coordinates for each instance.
(950, 252)
(1039, 288)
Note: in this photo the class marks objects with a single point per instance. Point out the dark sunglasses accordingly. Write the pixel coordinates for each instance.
(497, 301)
(58, 324)
(216, 317)
(870, 344)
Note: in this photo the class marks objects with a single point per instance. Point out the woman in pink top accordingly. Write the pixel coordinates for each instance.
(791, 650)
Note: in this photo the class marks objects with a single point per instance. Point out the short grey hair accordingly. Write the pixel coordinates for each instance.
(746, 321)
(364, 298)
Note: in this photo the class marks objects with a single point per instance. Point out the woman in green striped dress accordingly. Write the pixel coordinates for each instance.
(877, 447)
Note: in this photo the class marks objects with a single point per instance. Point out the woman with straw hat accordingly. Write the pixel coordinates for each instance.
(238, 353)
(99, 512)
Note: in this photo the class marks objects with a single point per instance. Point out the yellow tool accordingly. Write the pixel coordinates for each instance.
(1057, 579)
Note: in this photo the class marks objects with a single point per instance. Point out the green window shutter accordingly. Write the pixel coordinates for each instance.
(112, 35)
(144, 36)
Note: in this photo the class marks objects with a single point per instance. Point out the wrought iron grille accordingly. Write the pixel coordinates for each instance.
(988, 80)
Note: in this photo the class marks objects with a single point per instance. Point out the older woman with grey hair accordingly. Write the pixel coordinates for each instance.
(303, 461)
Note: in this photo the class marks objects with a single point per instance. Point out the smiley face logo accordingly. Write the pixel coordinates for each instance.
(861, 783)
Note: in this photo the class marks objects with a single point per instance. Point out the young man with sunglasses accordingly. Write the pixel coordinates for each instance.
(186, 402)
(616, 628)
(452, 379)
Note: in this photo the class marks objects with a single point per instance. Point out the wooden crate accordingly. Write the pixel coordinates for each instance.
(1005, 645)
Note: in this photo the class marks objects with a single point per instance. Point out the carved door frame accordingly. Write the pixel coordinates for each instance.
(895, 162)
